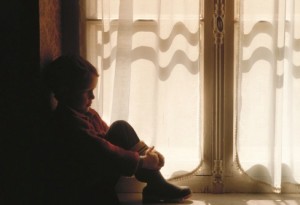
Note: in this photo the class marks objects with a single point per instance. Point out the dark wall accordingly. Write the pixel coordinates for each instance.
(50, 30)
(19, 71)
(19, 54)
(59, 29)
(33, 33)
(70, 27)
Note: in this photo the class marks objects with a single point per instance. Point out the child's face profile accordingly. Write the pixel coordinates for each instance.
(81, 100)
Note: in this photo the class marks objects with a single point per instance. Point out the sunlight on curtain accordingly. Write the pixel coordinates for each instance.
(148, 53)
(268, 137)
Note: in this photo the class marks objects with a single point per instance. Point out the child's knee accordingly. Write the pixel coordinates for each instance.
(120, 123)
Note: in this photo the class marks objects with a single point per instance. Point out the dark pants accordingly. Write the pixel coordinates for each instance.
(98, 190)
(122, 134)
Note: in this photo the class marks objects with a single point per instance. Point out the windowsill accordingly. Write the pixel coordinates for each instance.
(222, 199)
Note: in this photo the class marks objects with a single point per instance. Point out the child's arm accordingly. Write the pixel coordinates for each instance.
(100, 125)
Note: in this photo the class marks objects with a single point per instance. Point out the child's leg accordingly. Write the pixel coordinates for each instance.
(123, 135)
(158, 189)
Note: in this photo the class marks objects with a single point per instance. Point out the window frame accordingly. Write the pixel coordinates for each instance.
(219, 170)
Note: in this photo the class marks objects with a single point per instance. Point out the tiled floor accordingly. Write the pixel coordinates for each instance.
(224, 199)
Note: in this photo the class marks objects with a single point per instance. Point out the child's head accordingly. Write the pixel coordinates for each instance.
(72, 80)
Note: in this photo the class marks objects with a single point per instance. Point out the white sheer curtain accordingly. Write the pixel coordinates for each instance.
(268, 136)
(147, 53)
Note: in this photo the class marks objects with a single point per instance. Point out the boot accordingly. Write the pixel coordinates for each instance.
(157, 188)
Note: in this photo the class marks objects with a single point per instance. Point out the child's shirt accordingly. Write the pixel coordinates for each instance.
(85, 136)
(94, 122)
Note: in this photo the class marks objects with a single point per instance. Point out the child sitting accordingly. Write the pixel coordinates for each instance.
(85, 156)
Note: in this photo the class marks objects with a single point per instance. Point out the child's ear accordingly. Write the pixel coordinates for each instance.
(53, 102)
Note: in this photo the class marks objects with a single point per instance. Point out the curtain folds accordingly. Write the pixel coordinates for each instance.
(268, 79)
(147, 53)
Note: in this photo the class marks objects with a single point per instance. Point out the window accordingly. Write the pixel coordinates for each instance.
(203, 82)
(148, 55)
(268, 91)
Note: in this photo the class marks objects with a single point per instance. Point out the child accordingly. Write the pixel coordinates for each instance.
(85, 156)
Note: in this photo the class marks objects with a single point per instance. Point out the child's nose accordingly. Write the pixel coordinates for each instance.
(91, 95)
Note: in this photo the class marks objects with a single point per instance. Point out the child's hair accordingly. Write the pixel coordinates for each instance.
(68, 73)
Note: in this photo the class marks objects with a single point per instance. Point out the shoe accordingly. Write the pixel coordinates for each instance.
(165, 192)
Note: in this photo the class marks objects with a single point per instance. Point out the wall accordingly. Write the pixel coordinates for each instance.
(50, 30)
(27, 44)
(59, 28)
(19, 70)
(33, 33)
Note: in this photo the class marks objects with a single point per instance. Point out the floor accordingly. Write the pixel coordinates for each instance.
(223, 199)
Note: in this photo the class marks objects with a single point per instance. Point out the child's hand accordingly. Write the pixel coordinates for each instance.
(152, 159)
(161, 158)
